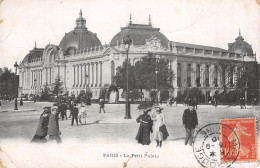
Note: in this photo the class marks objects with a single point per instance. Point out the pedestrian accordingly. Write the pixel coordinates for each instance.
(145, 128)
(190, 121)
(74, 112)
(242, 103)
(63, 109)
(102, 105)
(53, 127)
(42, 129)
(88, 101)
(171, 101)
(21, 102)
(159, 128)
(83, 113)
(0, 106)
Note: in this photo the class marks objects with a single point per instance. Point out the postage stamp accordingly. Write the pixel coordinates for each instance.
(208, 146)
(245, 131)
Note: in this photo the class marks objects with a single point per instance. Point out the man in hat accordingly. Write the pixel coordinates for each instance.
(74, 112)
(101, 105)
(190, 121)
(53, 127)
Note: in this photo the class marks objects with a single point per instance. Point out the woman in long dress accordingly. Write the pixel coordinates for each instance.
(42, 128)
(143, 134)
(83, 113)
(159, 129)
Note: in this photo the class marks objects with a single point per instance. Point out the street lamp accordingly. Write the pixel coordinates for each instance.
(156, 86)
(16, 94)
(246, 92)
(35, 80)
(127, 43)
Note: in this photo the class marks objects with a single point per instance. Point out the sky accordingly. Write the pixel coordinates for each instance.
(204, 22)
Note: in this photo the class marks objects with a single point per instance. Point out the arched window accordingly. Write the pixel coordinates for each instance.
(179, 75)
(198, 75)
(189, 75)
(112, 71)
(207, 75)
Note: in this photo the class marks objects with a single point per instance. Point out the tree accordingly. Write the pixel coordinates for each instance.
(120, 78)
(45, 94)
(142, 75)
(8, 83)
(57, 87)
(145, 71)
(248, 80)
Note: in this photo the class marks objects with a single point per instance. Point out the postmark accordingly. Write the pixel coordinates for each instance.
(209, 143)
(245, 129)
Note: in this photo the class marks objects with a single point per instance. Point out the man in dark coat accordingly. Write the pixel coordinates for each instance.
(101, 105)
(63, 109)
(74, 112)
(53, 127)
(190, 121)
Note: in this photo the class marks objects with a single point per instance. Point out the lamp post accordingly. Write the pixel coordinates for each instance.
(35, 80)
(156, 80)
(127, 43)
(16, 93)
(246, 92)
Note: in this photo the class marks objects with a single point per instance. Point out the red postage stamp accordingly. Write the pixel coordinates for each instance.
(245, 130)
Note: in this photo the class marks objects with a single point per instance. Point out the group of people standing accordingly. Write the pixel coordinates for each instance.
(156, 124)
(151, 124)
(48, 127)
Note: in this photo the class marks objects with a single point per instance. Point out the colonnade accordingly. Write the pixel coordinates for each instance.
(190, 74)
(87, 74)
(36, 78)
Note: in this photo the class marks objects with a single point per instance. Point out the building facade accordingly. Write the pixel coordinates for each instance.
(82, 61)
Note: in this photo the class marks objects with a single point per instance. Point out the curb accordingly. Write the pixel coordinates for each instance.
(5, 111)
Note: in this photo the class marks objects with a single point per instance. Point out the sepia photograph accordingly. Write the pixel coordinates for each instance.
(128, 83)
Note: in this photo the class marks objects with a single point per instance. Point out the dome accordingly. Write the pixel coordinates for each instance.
(79, 38)
(139, 33)
(34, 55)
(240, 46)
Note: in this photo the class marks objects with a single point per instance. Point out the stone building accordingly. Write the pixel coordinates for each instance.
(82, 61)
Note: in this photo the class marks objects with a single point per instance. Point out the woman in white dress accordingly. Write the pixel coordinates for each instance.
(82, 113)
(159, 129)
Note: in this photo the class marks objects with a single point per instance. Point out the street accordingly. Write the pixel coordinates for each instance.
(104, 134)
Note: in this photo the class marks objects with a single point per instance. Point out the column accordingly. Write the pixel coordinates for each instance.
(92, 73)
(202, 74)
(97, 81)
(193, 75)
(184, 72)
(85, 72)
(211, 75)
(74, 75)
(80, 75)
(77, 75)
(220, 80)
(173, 63)
(100, 72)
(88, 82)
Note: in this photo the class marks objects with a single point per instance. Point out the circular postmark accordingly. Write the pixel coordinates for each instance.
(216, 145)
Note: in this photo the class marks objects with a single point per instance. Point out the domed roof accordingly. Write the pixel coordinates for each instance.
(240, 46)
(139, 33)
(79, 38)
(34, 55)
